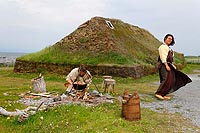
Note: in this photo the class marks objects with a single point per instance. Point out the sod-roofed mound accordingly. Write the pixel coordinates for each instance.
(102, 41)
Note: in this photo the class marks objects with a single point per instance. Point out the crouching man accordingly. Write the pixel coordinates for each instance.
(79, 79)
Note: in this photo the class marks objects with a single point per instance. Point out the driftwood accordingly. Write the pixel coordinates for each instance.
(7, 113)
(23, 114)
(40, 94)
(30, 94)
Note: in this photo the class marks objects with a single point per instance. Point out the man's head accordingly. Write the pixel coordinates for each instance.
(82, 70)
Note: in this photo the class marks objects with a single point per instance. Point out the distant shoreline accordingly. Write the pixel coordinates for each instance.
(9, 58)
(12, 53)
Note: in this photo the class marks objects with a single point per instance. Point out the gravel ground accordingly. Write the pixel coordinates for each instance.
(185, 101)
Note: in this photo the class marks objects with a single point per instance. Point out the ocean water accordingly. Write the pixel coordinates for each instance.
(9, 58)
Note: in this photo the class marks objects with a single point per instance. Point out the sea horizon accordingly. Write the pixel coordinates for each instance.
(5, 50)
(9, 58)
(9, 54)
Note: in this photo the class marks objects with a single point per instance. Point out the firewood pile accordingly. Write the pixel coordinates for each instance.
(77, 97)
(42, 101)
(39, 99)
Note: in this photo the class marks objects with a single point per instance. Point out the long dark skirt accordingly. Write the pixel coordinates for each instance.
(171, 81)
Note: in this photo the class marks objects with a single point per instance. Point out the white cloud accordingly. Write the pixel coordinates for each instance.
(40, 23)
(62, 10)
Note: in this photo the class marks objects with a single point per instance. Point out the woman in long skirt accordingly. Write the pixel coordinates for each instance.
(170, 78)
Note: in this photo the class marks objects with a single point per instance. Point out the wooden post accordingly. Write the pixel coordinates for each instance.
(39, 84)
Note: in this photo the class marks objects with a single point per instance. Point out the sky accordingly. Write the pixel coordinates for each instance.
(32, 25)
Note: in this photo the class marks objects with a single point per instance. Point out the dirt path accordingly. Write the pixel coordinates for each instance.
(185, 101)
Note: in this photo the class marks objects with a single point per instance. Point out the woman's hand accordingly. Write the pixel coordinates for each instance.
(167, 67)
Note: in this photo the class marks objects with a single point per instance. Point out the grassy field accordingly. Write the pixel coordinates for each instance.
(77, 118)
(193, 59)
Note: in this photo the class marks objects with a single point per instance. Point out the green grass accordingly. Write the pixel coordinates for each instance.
(103, 118)
(56, 55)
(193, 59)
(190, 67)
(78, 118)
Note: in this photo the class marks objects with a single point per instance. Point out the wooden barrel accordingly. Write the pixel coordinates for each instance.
(131, 108)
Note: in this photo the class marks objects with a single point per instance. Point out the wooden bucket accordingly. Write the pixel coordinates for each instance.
(131, 107)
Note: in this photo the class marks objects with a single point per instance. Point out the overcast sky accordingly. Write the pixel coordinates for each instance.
(31, 25)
